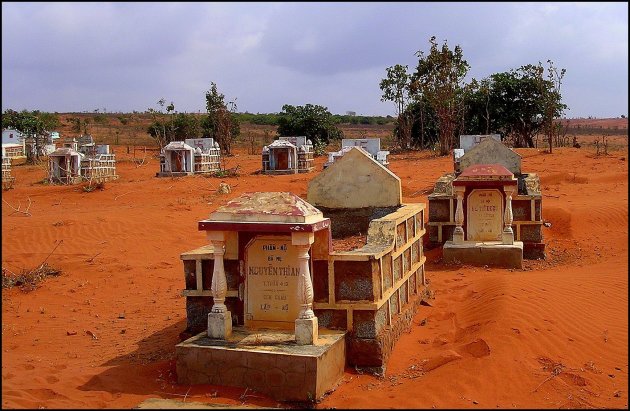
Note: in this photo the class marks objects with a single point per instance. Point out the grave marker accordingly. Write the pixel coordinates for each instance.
(272, 282)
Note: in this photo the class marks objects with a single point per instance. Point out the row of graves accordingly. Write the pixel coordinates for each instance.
(81, 160)
(272, 306)
(17, 148)
(292, 155)
(76, 161)
(188, 157)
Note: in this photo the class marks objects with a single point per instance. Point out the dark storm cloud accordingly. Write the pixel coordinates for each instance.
(125, 56)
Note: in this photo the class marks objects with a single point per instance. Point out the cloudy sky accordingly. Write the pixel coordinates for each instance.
(126, 56)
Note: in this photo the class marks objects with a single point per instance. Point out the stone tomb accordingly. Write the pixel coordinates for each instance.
(484, 207)
(261, 331)
(288, 155)
(188, 157)
(526, 201)
(362, 300)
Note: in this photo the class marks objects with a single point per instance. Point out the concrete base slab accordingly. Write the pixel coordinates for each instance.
(490, 253)
(267, 361)
(174, 174)
(169, 404)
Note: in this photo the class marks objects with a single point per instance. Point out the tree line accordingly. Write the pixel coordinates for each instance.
(434, 104)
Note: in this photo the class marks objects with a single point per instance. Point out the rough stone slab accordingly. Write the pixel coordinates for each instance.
(278, 207)
(488, 253)
(267, 361)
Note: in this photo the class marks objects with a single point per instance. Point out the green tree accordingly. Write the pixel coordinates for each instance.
(518, 104)
(313, 121)
(396, 89)
(439, 77)
(221, 122)
(185, 126)
(35, 126)
(30, 122)
(161, 129)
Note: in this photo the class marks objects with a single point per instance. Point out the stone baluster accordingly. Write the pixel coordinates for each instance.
(305, 285)
(219, 282)
(508, 233)
(219, 317)
(458, 234)
(306, 325)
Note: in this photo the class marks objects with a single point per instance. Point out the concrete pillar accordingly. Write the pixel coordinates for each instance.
(306, 325)
(458, 234)
(219, 318)
(508, 233)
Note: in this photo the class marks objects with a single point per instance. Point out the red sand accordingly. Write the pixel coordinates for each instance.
(552, 335)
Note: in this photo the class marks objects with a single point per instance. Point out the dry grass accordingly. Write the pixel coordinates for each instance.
(28, 280)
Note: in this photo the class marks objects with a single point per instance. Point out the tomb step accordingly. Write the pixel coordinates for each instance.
(265, 360)
(493, 254)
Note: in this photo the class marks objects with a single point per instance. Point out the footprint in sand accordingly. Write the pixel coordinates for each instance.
(52, 379)
(440, 360)
(478, 348)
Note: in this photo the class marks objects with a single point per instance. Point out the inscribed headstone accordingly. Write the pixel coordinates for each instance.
(272, 272)
(484, 220)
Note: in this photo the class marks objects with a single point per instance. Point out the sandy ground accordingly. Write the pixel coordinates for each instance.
(102, 335)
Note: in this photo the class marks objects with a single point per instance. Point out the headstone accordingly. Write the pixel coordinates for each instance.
(205, 144)
(484, 219)
(272, 273)
(355, 180)
(468, 141)
(491, 151)
(371, 145)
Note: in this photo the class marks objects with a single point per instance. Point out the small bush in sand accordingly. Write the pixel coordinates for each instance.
(28, 280)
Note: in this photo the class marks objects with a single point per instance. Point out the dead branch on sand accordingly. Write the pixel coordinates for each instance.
(557, 370)
(18, 209)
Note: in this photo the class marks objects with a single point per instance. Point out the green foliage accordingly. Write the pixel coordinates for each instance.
(439, 105)
(396, 88)
(439, 77)
(313, 121)
(424, 124)
(160, 128)
(220, 123)
(30, 122)
(100, 119)
(260, 119)
(175, 127)
(319, 148)
(518, 104)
